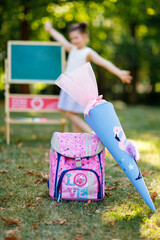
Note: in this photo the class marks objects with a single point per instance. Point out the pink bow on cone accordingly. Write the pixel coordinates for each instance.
(93, 103)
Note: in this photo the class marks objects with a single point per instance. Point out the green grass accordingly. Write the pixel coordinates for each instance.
(118, 217)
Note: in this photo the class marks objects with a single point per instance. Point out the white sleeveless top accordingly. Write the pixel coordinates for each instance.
(76, 58)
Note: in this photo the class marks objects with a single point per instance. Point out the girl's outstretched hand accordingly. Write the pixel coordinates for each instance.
(48, 26)
(125, 76)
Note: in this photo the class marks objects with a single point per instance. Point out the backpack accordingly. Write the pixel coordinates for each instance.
(76, 171)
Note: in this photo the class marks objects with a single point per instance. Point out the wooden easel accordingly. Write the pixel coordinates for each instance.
(29, 102)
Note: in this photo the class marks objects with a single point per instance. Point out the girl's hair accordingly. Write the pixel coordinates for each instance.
(82, 27)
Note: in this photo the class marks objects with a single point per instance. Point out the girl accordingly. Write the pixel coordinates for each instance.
(79, 54)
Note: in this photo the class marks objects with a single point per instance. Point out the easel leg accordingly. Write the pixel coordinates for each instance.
(66, 127)
(7, 131)
(7, 113)
(62, 127)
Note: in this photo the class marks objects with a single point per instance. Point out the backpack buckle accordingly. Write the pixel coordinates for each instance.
(78, 162)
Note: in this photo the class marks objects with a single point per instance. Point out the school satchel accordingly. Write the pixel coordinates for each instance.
(77, 162)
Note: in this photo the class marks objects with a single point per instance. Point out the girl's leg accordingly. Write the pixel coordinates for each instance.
(78, 123)
(75, 128)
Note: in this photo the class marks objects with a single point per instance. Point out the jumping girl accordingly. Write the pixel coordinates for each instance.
(79, 54)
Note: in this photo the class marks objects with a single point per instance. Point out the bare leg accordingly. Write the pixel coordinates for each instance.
(75, 128)
(78, 123)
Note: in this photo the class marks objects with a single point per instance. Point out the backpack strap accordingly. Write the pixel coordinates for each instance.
(78, 162)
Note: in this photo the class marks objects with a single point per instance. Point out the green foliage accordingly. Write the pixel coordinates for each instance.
(126, 34)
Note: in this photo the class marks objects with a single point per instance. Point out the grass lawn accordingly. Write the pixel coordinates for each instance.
(122, 215)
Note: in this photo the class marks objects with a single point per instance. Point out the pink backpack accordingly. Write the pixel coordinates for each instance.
(76, 167)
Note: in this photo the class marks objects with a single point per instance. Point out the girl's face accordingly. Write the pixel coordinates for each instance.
(78, 39)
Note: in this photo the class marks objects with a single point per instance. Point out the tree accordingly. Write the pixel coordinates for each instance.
(126, 34)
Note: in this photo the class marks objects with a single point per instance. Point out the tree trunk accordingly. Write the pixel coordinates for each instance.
(134, 69)
(131, 96)
(100, 80)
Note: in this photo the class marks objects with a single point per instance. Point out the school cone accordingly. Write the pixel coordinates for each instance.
(105, 123)
(101, 117)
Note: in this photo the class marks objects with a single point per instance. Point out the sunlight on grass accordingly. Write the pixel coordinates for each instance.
(150, 153)
(149, 226)
(146, 146)
(127, 210)
(155, 184)
(130, 214)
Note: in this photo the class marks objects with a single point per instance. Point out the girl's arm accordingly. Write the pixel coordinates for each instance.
(97, 59)
(58, 36)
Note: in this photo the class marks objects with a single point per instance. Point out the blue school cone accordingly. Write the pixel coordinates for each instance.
(105, 123)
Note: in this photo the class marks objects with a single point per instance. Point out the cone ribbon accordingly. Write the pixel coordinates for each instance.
(102, 118)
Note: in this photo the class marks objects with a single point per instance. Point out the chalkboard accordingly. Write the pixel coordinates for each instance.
(35, 61)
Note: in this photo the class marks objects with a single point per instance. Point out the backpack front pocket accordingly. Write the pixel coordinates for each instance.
(78, 184)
